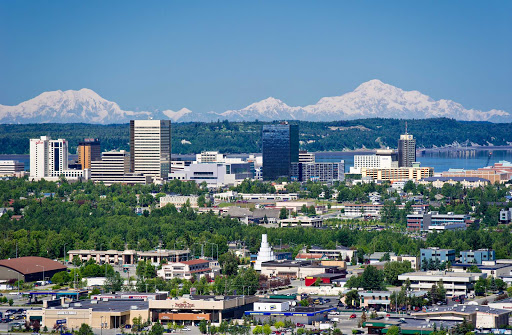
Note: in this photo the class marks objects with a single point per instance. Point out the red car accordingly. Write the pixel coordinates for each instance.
(388, 315)
(300, 325)
(353, 316)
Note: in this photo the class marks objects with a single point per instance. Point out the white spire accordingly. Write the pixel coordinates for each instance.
(265, 254)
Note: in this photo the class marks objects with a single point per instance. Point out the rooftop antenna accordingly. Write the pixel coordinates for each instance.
(405, 127)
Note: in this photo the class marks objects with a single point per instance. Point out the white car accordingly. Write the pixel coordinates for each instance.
(186, 329)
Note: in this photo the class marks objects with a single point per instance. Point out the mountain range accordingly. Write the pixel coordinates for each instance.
(370, 99)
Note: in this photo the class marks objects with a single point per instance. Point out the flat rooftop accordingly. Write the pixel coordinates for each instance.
(113, 305)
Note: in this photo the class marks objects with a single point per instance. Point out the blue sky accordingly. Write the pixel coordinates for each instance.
(218, 55)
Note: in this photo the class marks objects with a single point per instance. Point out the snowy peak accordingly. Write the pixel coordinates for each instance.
(373, 98)
(83, 105)
(264, 110)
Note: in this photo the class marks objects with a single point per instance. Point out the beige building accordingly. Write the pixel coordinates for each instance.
(11, 168)
(193, 308)
(466, 182)
(304, 221)
(455, 283)
(129, 257)
(185, 269)
(150, 148)
(108, 314)
(397, 174)
(413, 259)
(494, 176)
(296, 269)
(179, 200)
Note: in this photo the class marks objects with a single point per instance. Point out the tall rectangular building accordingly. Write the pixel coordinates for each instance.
(406, 150)
(89, 150)
(150, 147)
(48, 158)
(280, 148)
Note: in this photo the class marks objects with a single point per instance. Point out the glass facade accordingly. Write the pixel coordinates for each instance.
(280, 148)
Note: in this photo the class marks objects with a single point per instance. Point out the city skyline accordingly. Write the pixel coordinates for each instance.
(167, 55)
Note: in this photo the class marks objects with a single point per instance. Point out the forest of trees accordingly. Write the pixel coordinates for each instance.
(88, 216)
(245, 137)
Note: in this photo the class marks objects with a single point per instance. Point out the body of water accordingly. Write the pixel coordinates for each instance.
(440, 160)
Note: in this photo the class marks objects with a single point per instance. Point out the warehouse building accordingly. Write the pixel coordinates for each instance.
(29, 269)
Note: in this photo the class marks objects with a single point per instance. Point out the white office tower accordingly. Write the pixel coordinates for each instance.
(383, 159)
(150, 148)
(48, 158)
(265, 254)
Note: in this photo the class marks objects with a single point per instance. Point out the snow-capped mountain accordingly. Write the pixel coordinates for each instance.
(370, 99)
(264, 110)
(70, 106)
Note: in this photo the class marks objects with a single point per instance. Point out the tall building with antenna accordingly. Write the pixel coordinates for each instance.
(406, 149)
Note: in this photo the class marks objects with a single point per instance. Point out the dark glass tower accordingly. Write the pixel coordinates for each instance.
(280, 148)
(406, 150)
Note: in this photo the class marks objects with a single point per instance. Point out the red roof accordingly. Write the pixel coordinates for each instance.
(32, 264)
(195, 262)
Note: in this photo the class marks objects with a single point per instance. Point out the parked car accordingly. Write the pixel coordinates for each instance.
(353, 316)
(300, 325)
(186, 329)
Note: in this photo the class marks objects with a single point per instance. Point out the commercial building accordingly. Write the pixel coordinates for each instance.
(185, 269)
(194, 308)
(105, 313)
(29, 268)
(296, 269)
(383, 159)
(406, 150)
(11, 168)
(340, 252)
(455, 283)
(306, 157)
(414, 173)
(506, 216)
(88, 150)
(269, 310)
(114, 167)
(376, 209)
(179, 200)
(415, 265)
(303, 221)
(49, 160)
(433, 220)
(280, 148)
(466, 182)
(493, 176)
(477, 256)
(322, 172)
(150, 148)
(215, 174)
(443, 255)
(501, 271)
(480, 316)
(129, 257)
(324, 278)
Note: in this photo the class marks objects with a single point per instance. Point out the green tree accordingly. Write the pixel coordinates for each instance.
(266, 329)
(393, 330)
(85, 329)
(113, 282)
(257, 330)
(157, 329)
(229, 263)
(474, 269)
(283, 213)
(203, 326)
(61, 278)
(372, 278)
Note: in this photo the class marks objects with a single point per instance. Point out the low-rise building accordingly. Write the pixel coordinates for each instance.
(493, 176)
(296, 269)
(340, 252)
(352, 209)
(215, 174)
(194, 308)
(11, 168)
(179, 200)
(415, 265)
(442, 255)
(129, 257)
(303, 221)
(479, 316)
(304, 315)
(455, 283)
(506, 216)
(435, 221)
(397, 174)
(501, 271)
(106, 313)
(185, 269)
(466, 182)
(477, 256)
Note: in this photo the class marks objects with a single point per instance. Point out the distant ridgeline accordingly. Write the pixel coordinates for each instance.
(245, 137)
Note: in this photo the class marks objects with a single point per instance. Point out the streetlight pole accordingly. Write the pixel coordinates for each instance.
(65, 253)
(44, 281)
(101, 326)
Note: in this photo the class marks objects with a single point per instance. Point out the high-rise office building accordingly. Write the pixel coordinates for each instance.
(406, 150)
(280, 148)
(150, 147)
(88, 150)
(114, 167)
(49, 160)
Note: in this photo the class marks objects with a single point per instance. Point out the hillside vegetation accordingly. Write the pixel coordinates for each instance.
(245, 137)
